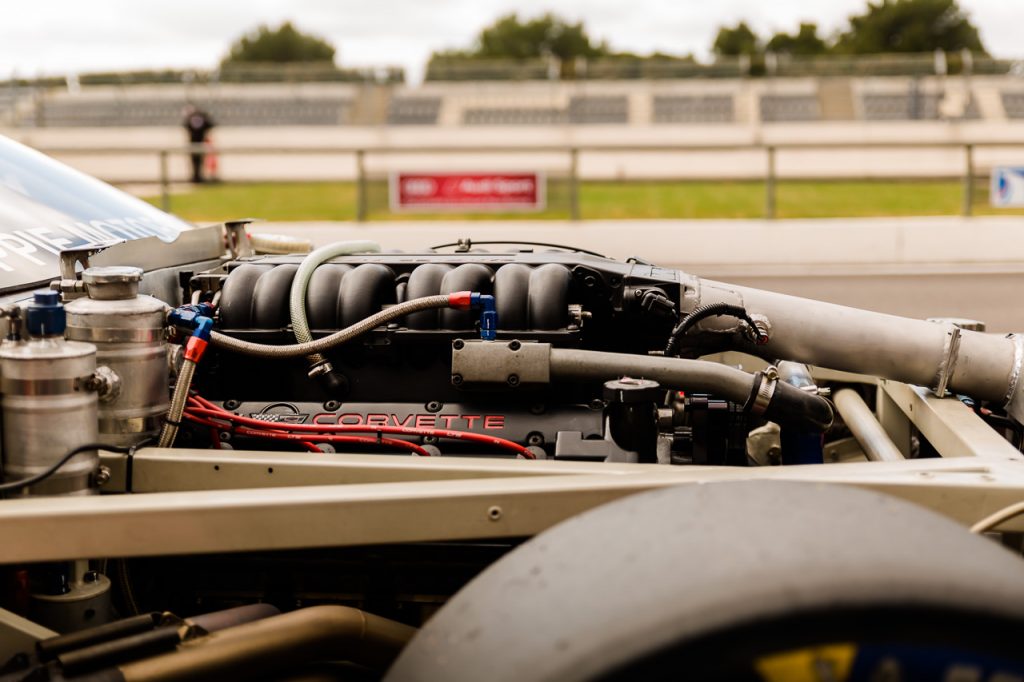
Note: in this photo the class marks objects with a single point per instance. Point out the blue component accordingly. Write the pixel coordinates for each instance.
(203, 328)
(198, 318)
(488, 315)
(45, 314)
(801, 448)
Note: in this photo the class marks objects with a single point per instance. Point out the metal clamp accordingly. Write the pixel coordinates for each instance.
(321, 368)
(116, 335)
(1014, 397)
(952, 347)
(55, 386)
(769, 378)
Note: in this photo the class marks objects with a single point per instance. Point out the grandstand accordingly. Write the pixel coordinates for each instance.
(308, 128)
(655, 102)
(163, 105)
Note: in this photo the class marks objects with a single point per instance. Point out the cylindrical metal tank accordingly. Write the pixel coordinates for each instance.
(48, 407)
(128, 331)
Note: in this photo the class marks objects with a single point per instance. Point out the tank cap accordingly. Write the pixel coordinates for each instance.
(45, 314)
(113, 282)
(112, 274)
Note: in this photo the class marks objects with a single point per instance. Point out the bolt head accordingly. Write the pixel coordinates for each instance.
(102, 476)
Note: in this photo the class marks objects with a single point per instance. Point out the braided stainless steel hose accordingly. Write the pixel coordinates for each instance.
(394, 312)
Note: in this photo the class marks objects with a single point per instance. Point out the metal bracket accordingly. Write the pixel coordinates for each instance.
(238, 239)
(512, 363)
(70, 259)
(106, 383)
(19, 635)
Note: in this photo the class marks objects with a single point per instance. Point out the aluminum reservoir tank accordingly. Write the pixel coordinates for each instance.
(128, 332)
(48, 407)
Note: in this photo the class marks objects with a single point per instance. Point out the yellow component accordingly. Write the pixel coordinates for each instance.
(816, 664)
(265, 243)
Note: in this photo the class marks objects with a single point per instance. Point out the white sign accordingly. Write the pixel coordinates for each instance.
(1007, 186)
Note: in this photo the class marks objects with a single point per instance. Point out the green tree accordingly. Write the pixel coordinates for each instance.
(910, 26)
(732, 42)
(549, 34)
(804, 43)
(510, 37)
(282, 44)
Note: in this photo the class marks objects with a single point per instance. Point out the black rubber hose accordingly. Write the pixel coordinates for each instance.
(104, 654)
(789, 406)
(792, 406)
(702, 313)
(49, 649)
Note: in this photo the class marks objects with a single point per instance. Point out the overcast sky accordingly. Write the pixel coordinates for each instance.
(61, 36)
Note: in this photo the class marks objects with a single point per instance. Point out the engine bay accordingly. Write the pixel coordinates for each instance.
(267, 390)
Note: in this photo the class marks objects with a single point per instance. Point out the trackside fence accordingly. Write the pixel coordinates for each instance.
(769, 153)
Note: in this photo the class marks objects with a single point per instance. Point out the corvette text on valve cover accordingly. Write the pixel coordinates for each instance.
(468, 422)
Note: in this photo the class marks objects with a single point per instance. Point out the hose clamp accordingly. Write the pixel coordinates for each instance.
(769, 378)
(951, 348)
(1014, 392)
(321, 368)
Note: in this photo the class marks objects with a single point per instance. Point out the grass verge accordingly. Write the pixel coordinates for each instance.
(599, 200)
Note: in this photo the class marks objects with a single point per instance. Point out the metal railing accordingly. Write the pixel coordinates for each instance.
(243, 72)
(768, 64)
(449, 68)
(769, 152)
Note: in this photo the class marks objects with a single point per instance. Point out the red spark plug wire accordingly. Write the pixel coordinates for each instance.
(305, 439)
(211, 410)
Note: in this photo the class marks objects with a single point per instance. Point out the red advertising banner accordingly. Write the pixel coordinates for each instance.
(521, 191)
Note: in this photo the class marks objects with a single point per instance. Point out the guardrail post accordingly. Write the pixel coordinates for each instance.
(165, 183)
(574, 184)
(968, 207)
(361, 209)
(769, 184)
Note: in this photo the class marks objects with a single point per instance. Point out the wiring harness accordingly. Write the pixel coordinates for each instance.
(703, 312)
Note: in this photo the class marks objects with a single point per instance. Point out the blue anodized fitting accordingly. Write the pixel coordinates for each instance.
(197, 317)
(45, 314)
(488, 315)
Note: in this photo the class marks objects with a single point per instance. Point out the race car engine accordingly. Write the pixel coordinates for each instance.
(430, 373)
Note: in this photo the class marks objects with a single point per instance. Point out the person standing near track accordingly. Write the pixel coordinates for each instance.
(198, 124)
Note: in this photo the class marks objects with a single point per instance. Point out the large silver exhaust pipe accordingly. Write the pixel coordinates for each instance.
(938, 356)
